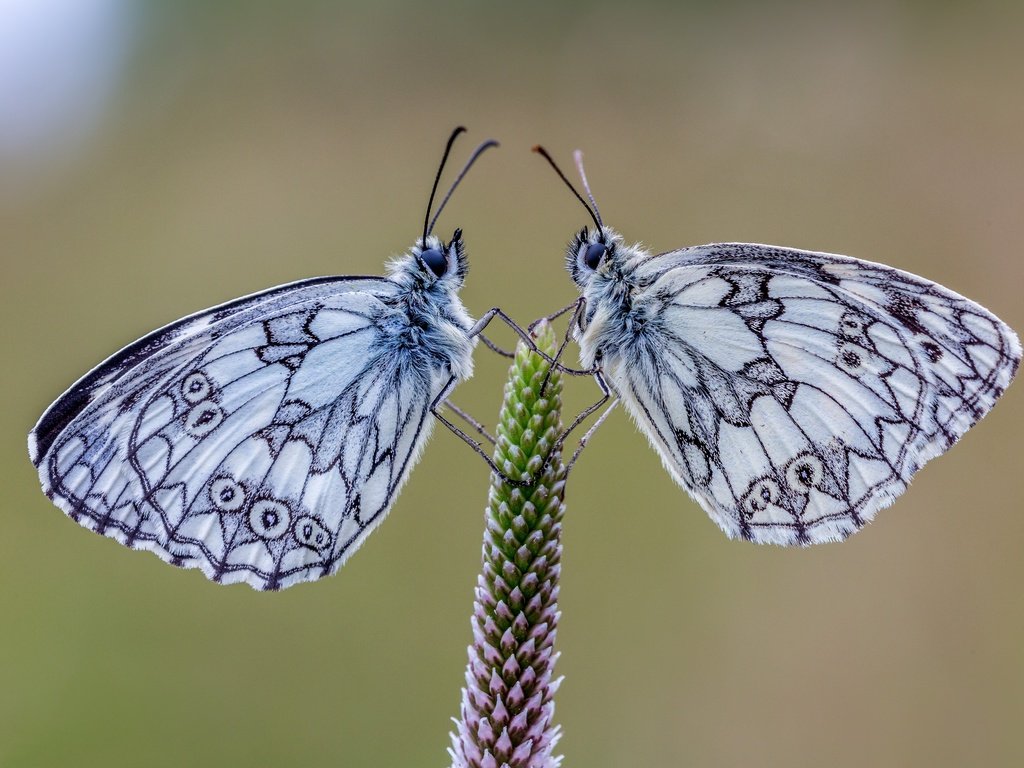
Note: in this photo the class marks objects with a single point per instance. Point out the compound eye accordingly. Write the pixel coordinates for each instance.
(436, 260)
(595, 252)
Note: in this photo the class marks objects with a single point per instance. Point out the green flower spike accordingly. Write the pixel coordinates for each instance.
(508, 702)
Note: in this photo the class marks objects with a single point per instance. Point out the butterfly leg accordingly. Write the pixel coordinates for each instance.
(495, 348)
(580, 303)
(586, 437)
(480, 428)
(606, 395)
(435, 407)
(554, 316)
(577, 307)
(496, 312)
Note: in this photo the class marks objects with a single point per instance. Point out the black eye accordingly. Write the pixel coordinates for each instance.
(436, 260)
(594, 254)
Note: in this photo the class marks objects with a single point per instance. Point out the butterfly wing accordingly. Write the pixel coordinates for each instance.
(260, 441)
(793, 393)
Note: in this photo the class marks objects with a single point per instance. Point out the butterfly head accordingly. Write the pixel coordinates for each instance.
(433, 261)
(593, 253)
(590, 254)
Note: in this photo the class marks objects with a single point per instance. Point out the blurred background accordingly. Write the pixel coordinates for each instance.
(160, 157)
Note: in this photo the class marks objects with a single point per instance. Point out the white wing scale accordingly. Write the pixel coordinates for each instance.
(792, 393)
(260, 441)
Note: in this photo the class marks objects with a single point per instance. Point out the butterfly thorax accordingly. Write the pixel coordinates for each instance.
(619, 313)
(430, 323)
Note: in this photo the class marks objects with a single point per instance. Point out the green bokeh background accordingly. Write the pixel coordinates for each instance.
(249, 146)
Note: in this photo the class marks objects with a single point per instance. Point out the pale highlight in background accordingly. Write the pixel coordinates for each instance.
(61, 63)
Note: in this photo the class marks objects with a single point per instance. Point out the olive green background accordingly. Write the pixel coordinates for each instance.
(249, 146)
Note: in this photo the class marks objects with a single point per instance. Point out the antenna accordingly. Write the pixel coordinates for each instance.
(577, 156)
(437, 179)
(465, 169)
(544, 153)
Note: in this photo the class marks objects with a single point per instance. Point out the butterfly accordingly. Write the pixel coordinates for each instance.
(262, 440)
(791, 393)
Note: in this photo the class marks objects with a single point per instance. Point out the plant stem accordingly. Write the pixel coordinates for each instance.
(508, 702)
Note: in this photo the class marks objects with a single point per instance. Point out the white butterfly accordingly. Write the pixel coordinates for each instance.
(793, 394)
(263, 440)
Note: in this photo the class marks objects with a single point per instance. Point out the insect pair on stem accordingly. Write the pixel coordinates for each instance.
(593, 256)
(433, 259)
(791, 393)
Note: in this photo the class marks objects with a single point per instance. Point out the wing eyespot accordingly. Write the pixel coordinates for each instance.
(805, 473)
(853, 325)
(269, 518)
(195, 388)
(310, 533)
(227, 494)
(203, 418)
(762, 493)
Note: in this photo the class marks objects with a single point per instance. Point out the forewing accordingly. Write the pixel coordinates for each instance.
(793, 393)
(260, 441)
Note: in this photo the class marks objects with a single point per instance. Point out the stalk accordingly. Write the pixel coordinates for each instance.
(508, 702)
